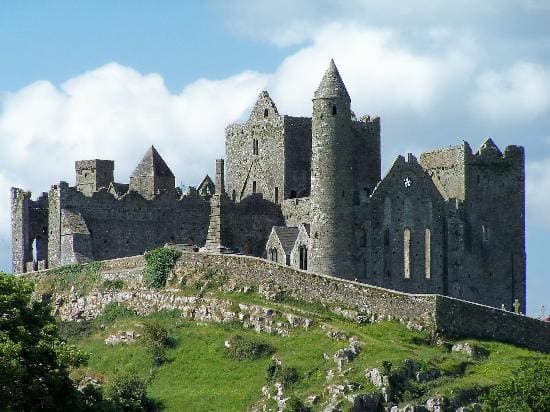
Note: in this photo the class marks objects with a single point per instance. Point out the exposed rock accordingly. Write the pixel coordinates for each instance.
(436, 404)
(125, 337)
(426, 376)
(474, 351)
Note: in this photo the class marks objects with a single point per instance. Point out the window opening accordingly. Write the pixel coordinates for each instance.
(334, 110)
(266, 112)
(254, 146)
(254, 186)
(407, 252)
(276, 195)
(303, 257)
(428, 253)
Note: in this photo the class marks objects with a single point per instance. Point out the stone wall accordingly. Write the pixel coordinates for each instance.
(455, 317)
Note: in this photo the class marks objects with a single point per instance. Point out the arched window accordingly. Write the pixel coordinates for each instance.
(273, 254)
(428, 251)
(407, 252)
(303, 257)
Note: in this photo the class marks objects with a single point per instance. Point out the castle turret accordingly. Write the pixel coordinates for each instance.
(152, 175)
(332, 179)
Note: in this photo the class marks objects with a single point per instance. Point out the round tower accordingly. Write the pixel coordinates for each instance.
(332, 242)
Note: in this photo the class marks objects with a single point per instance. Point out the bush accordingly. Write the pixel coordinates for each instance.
(72, 330)
(244, 348)
(158, 263)
(285, 375)
(294, 404)
(127, 392)
(113, 311)
(109, 284)
(527, 390)
(156, 339)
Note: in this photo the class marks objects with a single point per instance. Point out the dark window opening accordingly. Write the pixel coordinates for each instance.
(343, 193)
(334, 110)
(266, 112)
(255, 146)
(276, 195)
(234, 195)
(477, 179)
(303, 257)
(293, 194)
(254, 186)
(273, 255)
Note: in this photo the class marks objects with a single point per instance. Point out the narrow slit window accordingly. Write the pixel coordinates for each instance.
(276, 195)
(254, 186)
(254, 146)
(428, 251)
(334, 110)
(407, 252)
(266, 112)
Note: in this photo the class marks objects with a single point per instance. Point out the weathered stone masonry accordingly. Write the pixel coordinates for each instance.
(450, 223)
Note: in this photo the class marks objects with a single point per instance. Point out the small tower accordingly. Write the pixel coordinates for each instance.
(218, 225)
(92, 175)
(152, 175)
(332, 179)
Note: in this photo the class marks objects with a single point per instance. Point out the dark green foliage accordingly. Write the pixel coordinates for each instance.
(156, 340)
(112, 311)
(527, 390)
(287, 376)
(109, 284)
(71, 330)
(294, 404)
(128, 393)
(158, 263)
(34, 361)
(245, 348)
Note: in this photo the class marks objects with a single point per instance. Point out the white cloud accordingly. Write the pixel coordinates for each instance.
(537, 192)
(381, 75)
(520, 93)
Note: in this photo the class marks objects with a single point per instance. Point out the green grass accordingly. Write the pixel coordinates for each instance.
(199, 376)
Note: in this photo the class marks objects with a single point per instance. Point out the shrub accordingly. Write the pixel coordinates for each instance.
(156, 339)
(113, 311)
(244, 348)
(72, 330)
(294, 404)
(127, 391)
(158, 263)
(109, 284)
(527, 390)
(285, 375)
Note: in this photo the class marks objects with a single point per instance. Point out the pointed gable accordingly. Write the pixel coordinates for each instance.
(488, 147)
(264, 108)
(152, 175)
(206, 187)
(152, 164)
(331, 85)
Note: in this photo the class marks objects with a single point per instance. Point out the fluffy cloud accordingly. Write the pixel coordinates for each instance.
(537, 192)
(521, 92)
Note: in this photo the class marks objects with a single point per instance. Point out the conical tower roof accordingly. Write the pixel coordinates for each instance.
(152, 164)
(331, 85)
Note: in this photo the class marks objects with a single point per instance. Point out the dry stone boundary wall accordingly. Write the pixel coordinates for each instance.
(446, 315)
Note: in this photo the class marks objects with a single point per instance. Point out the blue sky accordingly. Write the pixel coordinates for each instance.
(105, 79)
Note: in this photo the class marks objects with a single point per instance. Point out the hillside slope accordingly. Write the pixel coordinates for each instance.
(329, 358)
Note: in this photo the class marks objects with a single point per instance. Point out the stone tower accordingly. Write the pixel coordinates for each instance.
(152, 175)
(91, 175)
(332, 179)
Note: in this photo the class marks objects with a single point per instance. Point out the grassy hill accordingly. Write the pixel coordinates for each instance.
(198, 375)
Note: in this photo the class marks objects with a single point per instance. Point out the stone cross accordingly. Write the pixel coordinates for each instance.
(516, 306)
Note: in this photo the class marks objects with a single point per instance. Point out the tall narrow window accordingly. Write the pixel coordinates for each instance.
(303, 257)
(407, 252)
(387, 252)
(428, 251)
(334, 110)
(273, 255)
(254, 146)
(485, 233)
(266, 112)
(254, 186)
(234, 195)
(276, 195)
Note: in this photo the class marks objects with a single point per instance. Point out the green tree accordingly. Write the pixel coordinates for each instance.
(34, 361)
(527, 390)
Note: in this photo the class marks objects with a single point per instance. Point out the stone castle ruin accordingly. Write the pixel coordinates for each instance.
(307, 193)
